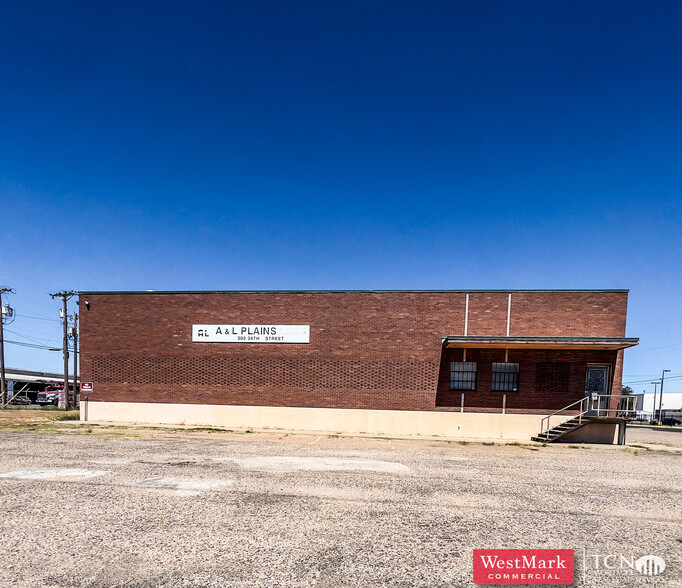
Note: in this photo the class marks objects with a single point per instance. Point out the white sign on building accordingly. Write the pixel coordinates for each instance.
(251, 333)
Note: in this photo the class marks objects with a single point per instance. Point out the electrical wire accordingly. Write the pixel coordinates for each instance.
(32, 339)
(39, 318)
(650, 380)
(33, 345)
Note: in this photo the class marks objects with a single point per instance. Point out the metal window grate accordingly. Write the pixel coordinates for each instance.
(463, 375)
(505, 377)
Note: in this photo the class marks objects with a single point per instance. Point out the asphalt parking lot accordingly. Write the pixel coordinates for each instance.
(93, 506)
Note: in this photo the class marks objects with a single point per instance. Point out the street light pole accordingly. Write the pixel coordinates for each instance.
(660, 400)
(653, 408)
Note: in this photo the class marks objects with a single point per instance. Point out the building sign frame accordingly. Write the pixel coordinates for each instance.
(251, 333)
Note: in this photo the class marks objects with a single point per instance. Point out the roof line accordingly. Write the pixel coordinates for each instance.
(93, 292)
(562, 338)
(9, 370)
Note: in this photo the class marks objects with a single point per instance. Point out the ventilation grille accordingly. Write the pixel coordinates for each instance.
(271, 373)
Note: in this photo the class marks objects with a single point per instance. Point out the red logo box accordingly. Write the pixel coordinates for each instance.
(523, 566)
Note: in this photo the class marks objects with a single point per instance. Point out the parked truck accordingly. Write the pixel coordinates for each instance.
(49, 396)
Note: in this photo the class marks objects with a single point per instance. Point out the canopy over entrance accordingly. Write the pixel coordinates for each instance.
(596, 343)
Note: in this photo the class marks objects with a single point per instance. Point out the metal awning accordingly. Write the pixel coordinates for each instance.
(597, 343)
(19, 375)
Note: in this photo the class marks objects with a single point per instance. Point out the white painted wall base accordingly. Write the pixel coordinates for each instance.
(516, 427)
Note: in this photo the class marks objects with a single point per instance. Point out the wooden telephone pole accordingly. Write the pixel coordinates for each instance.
(3, 391)
(64, 296)
(74, 333)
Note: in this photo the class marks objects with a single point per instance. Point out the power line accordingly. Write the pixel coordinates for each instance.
(38, 318)
(648, 380)
(33, 345)
(32, 339)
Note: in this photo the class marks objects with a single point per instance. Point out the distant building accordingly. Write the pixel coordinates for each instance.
(30, 382)
(639, 403)
(469, 364)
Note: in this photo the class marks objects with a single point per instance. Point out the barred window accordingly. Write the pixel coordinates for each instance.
(462, 375)
(505, 377)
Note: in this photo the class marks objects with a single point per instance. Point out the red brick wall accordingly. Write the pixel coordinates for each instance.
(487, 313)
(583, 314)
(367, 349)
(548, 379)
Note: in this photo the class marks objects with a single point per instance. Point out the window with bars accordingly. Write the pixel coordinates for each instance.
(462, 375)
(505, 377)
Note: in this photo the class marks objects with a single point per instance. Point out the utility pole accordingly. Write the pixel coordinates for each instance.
(653, 409)
(660, 400)
(64, 296)
(74, 332)
(3, 391)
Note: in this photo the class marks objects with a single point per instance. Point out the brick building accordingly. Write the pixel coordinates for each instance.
(455, 363)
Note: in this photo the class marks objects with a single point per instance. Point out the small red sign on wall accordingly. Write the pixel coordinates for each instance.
(86, 387)
(523, 566)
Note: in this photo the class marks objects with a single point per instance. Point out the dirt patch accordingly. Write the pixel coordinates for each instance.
(670, 436)
(13, 417)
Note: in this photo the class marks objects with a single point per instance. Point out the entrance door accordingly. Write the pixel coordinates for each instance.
(597, 383)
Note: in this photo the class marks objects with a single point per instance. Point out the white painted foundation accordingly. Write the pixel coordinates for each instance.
(455, 425)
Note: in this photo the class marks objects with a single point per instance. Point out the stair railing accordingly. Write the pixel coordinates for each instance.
(544, 425)
(627, 406)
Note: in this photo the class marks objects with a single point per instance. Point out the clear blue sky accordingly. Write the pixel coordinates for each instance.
(338, 145)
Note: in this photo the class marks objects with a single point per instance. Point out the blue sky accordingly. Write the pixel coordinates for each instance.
(340, 145)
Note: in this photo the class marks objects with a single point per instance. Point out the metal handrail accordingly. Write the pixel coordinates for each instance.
(548, 417)
(629, 408)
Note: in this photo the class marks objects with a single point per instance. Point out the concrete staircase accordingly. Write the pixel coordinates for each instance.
(557, 432)
(593, 409)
